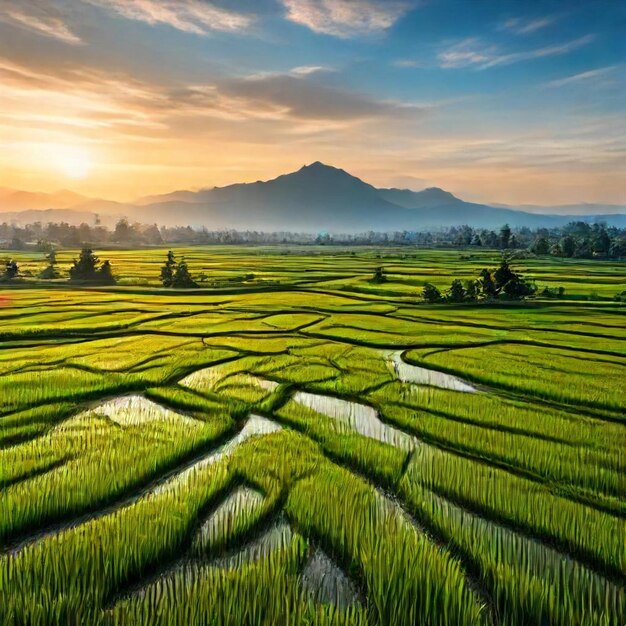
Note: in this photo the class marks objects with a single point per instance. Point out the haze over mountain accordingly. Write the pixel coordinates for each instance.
(17, 200)
(315, 198)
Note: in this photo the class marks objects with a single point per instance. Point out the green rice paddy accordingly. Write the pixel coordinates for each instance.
(293, 444)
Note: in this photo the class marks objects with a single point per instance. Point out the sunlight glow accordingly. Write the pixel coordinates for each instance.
(73, 162)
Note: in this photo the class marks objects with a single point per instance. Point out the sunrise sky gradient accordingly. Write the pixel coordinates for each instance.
(513, 102)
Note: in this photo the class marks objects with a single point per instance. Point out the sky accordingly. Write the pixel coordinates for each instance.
(514, 102)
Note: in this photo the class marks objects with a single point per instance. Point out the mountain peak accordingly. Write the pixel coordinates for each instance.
(318, 166)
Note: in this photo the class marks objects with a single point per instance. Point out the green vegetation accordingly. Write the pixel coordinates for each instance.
(87, 269)
(183, 457)
(502, 283)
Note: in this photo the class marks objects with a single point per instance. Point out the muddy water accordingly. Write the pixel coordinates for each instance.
(325, 583)
(408, 373)
(278, 537)
(355, 417)
(255, 425)
(244, 501)
(135, 410)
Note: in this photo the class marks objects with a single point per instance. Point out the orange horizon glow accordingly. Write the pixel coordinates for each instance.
(166, 114)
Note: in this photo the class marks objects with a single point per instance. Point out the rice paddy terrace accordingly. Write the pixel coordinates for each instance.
(296, 445)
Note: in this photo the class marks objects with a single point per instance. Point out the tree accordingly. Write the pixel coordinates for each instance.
(379, 276)
(456, 293)
(518, 288)
(511, 283)
(105, 274)
(556, 250)
(182, 278)
(431, 294)
(123, 231)
(50, 272)
(86, 269)
(601, 243)
(11, 270)
(477, 241)
(541, 246)
(502, 275)
(490, 240)
(152, 235)
(618, 248)
(487, 284)
(167, 270)
(472, 290)
(568, 246)
(505, 236)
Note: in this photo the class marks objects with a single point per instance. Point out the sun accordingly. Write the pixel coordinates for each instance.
(73, 162)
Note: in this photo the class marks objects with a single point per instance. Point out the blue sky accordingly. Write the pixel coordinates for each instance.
(514, 102)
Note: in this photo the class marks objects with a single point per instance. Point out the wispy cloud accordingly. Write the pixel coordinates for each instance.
(408, 63)
(83, 97)
(38, 16)
(191, 16)
(522, 26)
(582, 77)
(475, 52)
(346, 18)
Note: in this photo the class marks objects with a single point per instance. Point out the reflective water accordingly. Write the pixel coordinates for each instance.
(355, 417)
(134, 410)
(408, 373)
(325, 583)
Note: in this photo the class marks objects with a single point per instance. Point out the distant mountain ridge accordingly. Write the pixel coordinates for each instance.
(318, 197)
(17, 200)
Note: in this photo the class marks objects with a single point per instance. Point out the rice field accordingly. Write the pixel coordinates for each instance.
(308, 447)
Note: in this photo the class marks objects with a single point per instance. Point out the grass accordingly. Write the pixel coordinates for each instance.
(139, 490)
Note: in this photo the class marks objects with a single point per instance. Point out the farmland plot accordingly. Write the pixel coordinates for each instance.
(324, 451)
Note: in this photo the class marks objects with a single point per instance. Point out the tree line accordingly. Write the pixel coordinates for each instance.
(500, 283)
(86, 269)
(575, 240)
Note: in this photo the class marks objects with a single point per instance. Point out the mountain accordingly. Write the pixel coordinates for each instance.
(426, 199)
(317, 198)
(584, 208)
(175, 196)
(16, 200)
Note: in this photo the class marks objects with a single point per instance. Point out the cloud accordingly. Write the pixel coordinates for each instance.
(408, 63)
(305, 97)
(474, 52)
(521, 26)
(191, 16)
(38, 16)
(582, 77)
(346, 18)
(297, 102)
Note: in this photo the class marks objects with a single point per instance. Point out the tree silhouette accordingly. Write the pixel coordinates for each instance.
(105, 274)
(568, 246)
(86, 269)
(431, 294)
(505, 236)
(167, 270)
(182, 278)
(50, 272)
(487, 285)
(472, 290)
(457, 292)
(11, 270)
(541, 246)
(379, 276)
